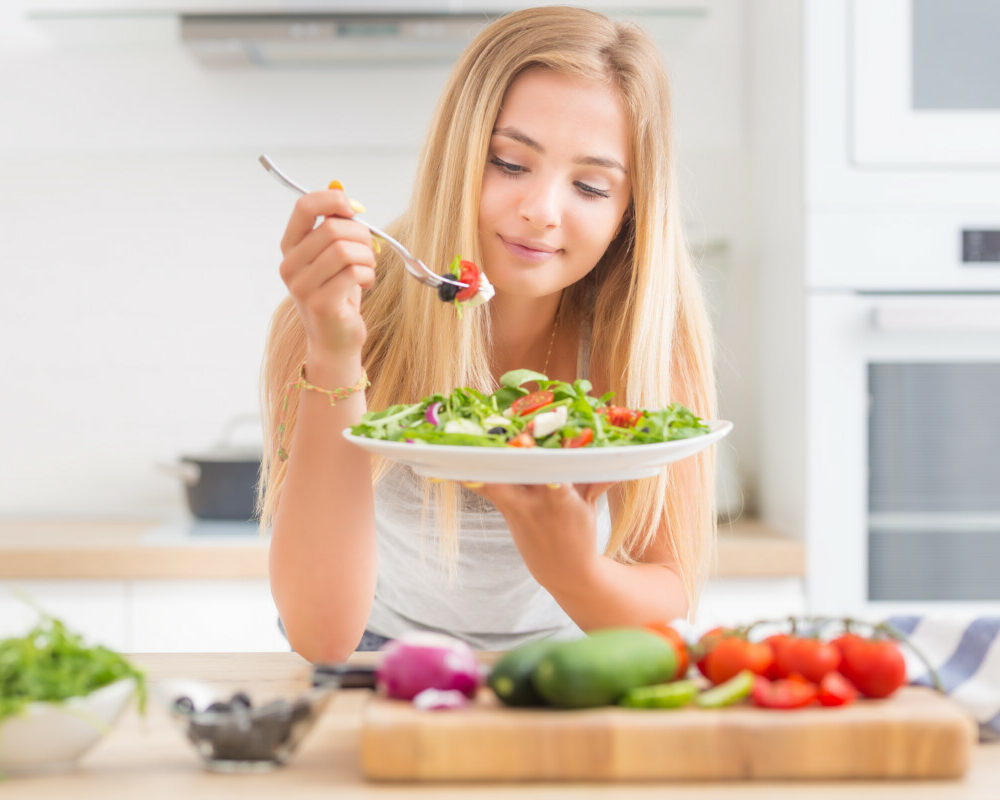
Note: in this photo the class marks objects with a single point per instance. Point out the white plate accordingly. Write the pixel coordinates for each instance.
(540, 464)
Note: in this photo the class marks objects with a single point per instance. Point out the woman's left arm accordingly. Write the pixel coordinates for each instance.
(555, 530)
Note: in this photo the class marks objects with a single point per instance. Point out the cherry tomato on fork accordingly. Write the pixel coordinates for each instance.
(469, 275)
(532, 402)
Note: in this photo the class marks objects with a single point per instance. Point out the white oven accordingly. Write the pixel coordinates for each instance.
(923, 83)
(903, 452)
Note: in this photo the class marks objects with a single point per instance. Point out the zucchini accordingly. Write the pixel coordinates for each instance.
(599, 669)
(510, 678)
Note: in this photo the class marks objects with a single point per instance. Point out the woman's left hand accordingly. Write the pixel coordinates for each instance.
(554, 526)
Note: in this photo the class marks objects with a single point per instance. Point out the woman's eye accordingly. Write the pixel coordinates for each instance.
(591, 191)
(506, 166)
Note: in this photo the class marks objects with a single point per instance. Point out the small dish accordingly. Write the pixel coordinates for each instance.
(232, 733)
(52, 737)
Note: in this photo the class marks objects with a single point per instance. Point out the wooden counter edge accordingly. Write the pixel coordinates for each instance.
(113, 550)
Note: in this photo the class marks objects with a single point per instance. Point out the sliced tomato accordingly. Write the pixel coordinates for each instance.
(523, 439)
(836, 690)
(532, 402)
(469, 275)
(620, 416)
(785, 693)
(583, 438)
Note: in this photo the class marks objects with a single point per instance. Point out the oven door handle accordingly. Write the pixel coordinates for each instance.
(939, 316)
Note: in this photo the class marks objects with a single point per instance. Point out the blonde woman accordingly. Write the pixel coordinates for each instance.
(549, 162)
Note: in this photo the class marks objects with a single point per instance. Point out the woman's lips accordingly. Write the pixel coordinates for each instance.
(526, 252)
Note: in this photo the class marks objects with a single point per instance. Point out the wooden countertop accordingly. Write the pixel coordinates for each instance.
(135, 549)
(150, 758)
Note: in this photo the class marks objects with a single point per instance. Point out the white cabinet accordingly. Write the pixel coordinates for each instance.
(204, 616)
(738, 601)
(95, 609)
(152, 615)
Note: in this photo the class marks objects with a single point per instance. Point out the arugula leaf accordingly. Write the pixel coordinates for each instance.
(516, 377)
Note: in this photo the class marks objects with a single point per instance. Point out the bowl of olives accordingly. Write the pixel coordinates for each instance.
(231, 732)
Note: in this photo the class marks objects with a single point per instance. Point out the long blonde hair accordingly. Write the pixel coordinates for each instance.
(650, 329)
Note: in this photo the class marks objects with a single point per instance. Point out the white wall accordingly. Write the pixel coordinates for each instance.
(138, 235)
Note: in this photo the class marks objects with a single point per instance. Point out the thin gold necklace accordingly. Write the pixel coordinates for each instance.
(552, 338)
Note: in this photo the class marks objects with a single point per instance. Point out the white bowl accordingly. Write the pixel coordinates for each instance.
(51, 737)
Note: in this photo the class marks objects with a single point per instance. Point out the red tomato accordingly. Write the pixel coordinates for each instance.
(532, 402)
(584, 437)
(777, 642)
(810, 658)
(671, 634)
(620, 416)
(784, 693)
(469, 274)
(875, 666)
(733, 654)
(523, 439)
(705, 645)
(836, 690)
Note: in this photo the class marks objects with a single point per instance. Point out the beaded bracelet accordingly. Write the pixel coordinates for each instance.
(334, 394)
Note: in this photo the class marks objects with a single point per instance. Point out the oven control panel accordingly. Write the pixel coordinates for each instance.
(980, 246)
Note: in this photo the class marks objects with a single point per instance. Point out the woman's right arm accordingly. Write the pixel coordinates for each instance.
(322, 558)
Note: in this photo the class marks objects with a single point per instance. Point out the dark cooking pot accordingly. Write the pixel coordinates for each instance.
(221, 483)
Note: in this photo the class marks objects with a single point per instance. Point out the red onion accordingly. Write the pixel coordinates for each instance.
(422, 660)
(431, 414)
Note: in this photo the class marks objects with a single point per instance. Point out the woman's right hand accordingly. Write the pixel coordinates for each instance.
(326, 267)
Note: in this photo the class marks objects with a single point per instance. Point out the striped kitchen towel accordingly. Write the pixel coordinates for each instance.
(966, 656)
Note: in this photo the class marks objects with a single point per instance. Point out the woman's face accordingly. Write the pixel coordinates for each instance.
(556, 183)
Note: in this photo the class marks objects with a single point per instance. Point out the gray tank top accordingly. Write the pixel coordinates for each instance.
(491, 601)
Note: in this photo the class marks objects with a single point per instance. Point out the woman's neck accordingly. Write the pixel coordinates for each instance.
(523, 332)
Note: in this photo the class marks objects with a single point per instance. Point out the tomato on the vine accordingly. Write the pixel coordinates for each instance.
(875, 666)
(732, 654)
(810, 658)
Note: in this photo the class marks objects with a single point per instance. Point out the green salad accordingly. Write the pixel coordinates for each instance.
(557, 414)
(52, 664)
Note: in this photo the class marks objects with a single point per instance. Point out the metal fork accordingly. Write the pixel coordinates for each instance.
(417, 268)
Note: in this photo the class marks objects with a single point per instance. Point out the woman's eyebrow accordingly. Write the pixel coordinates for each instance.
(593, 161)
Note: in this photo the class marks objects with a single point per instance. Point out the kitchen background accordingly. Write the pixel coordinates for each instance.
(139, 248)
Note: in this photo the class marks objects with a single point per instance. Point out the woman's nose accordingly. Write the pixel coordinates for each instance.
(540, 206)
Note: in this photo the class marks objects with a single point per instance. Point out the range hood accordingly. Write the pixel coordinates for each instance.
(274, 33)
(316, 39)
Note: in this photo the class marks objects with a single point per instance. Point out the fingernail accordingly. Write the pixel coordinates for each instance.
(555, 485)
(358, 207)
(335, 185)
(472, 485)
(376, 245)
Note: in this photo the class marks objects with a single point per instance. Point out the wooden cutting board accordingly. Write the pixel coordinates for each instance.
(917, 733)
